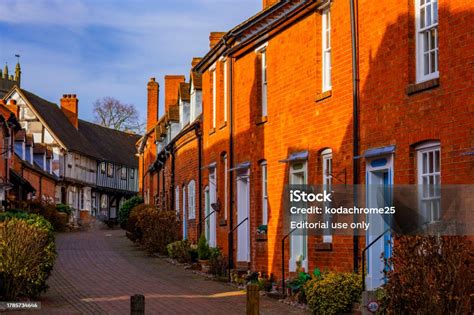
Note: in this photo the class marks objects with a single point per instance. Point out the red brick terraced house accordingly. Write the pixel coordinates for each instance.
(315, 92)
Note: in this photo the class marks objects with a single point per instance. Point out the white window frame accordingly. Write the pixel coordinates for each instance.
(421, 41)
(326, 158)
(224, 64)
(262, 51)
(326, 49)
(429, 181)
(214, 95)
(192, 200)
(264, 169)
(225, 185)
(176, 199)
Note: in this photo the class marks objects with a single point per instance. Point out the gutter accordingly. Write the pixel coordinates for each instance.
(355, 119)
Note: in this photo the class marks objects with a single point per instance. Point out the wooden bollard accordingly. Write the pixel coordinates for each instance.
(137, 304)
(253, 299)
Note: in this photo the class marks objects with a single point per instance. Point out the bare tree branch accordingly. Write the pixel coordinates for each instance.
(110, 112)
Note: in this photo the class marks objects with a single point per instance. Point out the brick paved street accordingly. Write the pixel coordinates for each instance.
(97, 271)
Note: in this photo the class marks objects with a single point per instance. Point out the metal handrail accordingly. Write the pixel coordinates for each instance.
(283, 260)
(229, 240)
(206, 217)
(363, 256)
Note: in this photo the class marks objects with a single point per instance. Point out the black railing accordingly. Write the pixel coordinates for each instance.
(283, 261)
(229, 239)
(363, 256)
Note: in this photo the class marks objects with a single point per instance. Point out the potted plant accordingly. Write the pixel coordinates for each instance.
(203, 253)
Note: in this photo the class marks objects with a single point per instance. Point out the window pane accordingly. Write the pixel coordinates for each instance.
(433, 61)
(437, 161)
(424, 162)
(428, 15)
(430, 161)
(432, 38)
(435, 12)
(422, 18)
(426, 40)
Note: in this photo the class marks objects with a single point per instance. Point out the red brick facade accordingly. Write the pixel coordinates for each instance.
(302, 117)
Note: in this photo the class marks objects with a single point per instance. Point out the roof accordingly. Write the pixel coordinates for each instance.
(173, 114)
(196, 77)
(113, 145)
(89, 139)
(184, 91)
(62, 128)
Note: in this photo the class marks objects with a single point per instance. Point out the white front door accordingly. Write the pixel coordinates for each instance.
(185, 215)
(379, 180)
(213, 200)
(243, 206)
(298, 239)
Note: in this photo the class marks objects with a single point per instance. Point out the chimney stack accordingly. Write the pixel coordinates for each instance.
(172, 83)
(13, 107)
(214, 38)
(70, 108)
(152, 103)
(269, 3)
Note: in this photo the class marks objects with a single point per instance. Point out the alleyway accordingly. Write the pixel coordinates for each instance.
(97, 271)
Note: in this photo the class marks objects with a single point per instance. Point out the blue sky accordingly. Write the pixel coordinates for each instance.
(97, 48)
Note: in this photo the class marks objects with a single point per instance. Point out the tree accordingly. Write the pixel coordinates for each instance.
(112, 113)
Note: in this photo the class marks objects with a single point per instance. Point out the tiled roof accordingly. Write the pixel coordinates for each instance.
(184, 91)
(196, 77)
(113, 145)
(173, 114)
(60, 125)
(89, 139)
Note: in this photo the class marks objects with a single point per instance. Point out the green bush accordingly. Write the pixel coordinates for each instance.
(159, 228)
(27, 254)
(126, 208)
(180, 250)
(48, 210)
(134, 232)
(203, 248)
(333, 293)
(61, 207)
(217, 262)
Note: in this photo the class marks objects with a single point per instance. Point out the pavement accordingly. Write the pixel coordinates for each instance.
(97, 271)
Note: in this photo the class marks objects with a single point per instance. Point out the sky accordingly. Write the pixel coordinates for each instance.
(98, 48)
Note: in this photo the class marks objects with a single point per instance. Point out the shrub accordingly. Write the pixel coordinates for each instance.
(50, 212)
(27, 254)
(134, 232)
(203, 248)
(61, 207)
(158, 228)
(180, 250)
(430, 274)
(126, 208)
(333, 293)
(217, 263)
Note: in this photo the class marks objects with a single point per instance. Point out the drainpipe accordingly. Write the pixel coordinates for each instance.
(231, 165)
(197, 130)
(355, 115)
(172, 177)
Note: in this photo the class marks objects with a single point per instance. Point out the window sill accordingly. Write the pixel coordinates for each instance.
(323, 247)
(422, 86)
(212, 131)
(261, 120)
(222, 124)
(323, 95)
